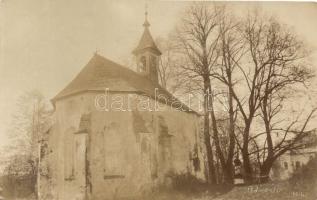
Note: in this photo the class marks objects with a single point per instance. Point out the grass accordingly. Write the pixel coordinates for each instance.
(270, 191)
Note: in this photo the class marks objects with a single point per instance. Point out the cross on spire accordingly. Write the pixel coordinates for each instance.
(146, 11)
(146, 22)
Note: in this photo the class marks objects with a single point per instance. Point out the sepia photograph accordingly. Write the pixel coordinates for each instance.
(158, 100)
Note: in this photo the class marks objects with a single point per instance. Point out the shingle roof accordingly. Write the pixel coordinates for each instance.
(101, 73)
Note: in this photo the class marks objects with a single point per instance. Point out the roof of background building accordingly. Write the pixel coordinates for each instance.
(101, 73)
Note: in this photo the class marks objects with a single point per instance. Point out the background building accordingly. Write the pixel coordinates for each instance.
(292, 160)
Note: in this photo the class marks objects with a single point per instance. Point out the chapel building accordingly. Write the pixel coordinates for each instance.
(118, 133)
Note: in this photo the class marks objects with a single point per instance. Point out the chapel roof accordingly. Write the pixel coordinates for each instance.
(101, 73)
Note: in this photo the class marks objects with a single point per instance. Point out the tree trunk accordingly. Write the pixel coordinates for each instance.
(228, 174)
(247, 166)
(265, 170)
(211, 168)
(226, 164)
(210, 157)
(248, 172)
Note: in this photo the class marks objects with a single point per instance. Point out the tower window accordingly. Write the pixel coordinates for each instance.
(286, 165)
(153, 62)
(142, 64)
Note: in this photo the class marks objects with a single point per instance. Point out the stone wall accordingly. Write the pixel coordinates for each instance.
(128, 152)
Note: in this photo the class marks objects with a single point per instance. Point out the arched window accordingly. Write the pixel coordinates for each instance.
(297, 164)
(148, 156)
(165, 146)
(113, 152)
(144, 145)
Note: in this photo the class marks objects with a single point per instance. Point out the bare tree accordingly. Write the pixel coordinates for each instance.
(286, 55)
(231, 49)
(29, 122)
(243, 81)
(256, 60)
(261, 56)
(198, 38)
(277, 57)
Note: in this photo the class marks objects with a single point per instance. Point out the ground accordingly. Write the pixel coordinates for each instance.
(271, 191)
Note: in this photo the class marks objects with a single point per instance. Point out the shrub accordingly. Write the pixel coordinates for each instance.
(186, 182)
(19, 178)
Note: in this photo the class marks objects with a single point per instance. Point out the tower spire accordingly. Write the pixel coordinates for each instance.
(147, 53)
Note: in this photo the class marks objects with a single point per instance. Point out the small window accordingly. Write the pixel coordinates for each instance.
(297, 164)
(69, 155)
(196, 164)
(195, 158)
(286, 165)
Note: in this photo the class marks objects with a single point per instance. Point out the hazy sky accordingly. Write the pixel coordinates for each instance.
(45, 43)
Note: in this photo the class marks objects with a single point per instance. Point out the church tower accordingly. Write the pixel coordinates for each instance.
(147, 54)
